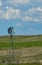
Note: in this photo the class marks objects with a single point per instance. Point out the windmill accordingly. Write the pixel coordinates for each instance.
(11, 57)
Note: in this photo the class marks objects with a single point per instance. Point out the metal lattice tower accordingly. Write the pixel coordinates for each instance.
(11, 57)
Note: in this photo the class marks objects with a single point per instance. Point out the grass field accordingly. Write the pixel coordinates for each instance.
(22, 64)
(21, 41)
(30, 44)
(20, 44)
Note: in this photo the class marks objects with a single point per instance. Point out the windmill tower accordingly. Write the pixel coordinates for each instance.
(11, 58)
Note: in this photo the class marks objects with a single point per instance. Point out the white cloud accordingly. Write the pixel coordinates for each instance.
(33, 10)
(1, 3)
(27, 18)
(18, 1)
(39, 9)
(18, 24)
(33, 14)
(21, 1)
(36, 2)
(36, 19)
(12, 13)
(6, 15)
(24, 1)
(7, 7)
(1, 14)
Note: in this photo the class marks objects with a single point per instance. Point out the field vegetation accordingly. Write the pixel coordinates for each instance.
(21, 41)
(27, 49)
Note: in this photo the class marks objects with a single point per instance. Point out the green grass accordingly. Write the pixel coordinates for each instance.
(21, 41)
(23, 64)
(29, 64)
(27, 44)
(26, 64)
(4, 45)
(20, 44)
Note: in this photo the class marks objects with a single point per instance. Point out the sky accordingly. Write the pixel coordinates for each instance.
(24, 15)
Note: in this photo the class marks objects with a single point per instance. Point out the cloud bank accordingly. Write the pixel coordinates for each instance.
(33, 14)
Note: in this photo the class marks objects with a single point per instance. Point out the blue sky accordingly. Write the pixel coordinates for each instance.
(24, 15)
